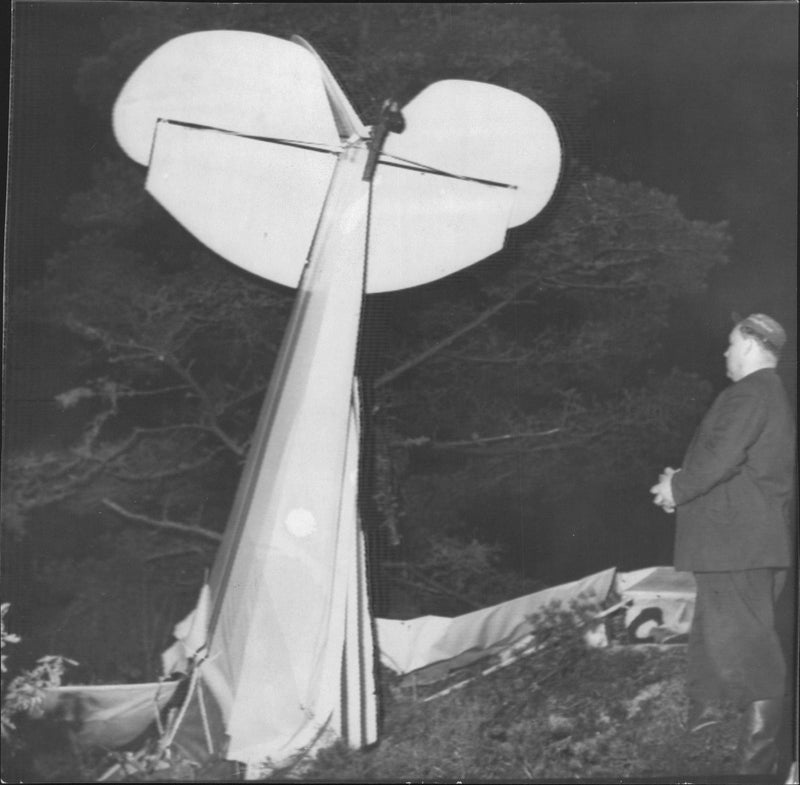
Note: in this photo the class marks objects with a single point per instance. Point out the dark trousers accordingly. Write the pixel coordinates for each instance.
(734, 650)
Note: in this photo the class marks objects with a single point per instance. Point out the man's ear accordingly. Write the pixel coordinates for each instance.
(750, 344)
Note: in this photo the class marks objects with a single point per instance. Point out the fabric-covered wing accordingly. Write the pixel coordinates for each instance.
(109, 715)
(248, 83)
(254, 203)
(408, 646)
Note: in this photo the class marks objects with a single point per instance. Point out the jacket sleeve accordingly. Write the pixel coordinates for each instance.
(719, 450)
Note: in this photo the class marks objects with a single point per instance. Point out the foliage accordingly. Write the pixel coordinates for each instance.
(151, 763)
(175, 376)
(448, 576)
(5, 636)
(560, 635)
(25, 693)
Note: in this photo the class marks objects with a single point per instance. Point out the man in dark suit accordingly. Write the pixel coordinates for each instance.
(733, 496)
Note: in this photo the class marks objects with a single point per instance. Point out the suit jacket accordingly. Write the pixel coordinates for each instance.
(735, 488)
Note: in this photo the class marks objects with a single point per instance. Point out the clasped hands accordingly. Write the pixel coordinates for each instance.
(662, 491)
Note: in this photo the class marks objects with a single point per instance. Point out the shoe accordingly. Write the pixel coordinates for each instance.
(701, 715)
(758, 750)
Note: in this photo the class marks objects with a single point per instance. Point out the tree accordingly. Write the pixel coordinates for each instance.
(507, 380)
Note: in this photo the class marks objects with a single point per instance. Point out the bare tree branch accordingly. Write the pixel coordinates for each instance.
(209, 411)
(390, 376)
(560, 283)
(173, 526)
(509, 299)
(234, 403)
(503, 451)
(164, 474)
(173, 553)
(130, 393)
(501, 359)
(428, 442)
(213, 429)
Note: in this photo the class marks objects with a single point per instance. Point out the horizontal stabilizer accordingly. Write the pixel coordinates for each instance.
(254, 203)
(484, 132)
(241, 132)
(248, 83)
(257, 204)
(425, 226)
(474, 160)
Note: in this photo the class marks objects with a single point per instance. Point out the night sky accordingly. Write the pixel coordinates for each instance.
(702, 104)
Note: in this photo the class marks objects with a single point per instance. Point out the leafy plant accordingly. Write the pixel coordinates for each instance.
(25, 693)
(5, 636)
(560, 634)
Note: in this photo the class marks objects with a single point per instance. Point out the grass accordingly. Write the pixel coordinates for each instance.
(613, 714)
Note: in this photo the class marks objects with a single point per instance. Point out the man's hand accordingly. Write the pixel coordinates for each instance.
(662, 491)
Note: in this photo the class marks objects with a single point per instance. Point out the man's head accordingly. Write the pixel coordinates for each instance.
(755, 342)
